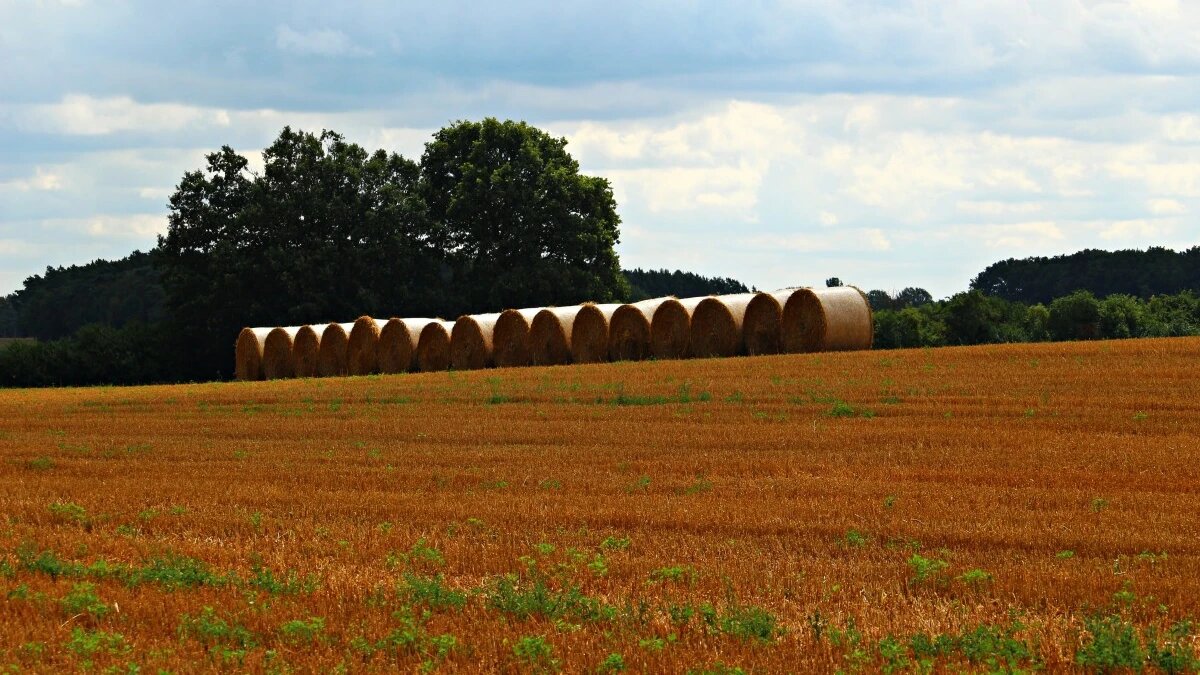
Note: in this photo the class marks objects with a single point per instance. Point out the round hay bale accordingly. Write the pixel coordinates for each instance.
(433, 347)
(248, 353)
(670, 327)
(550, 336)
(629, 330)
(827, 320)
(306, 351)
(589, 334)
(331, 359)
(716, 328)
(279, 358)
(510, 337)
(362, 348)
(761, 327)
(397, 348)
(471, 341)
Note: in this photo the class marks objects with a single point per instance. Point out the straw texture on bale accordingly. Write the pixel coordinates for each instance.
(589, 334)
(762, 326)
(716, 328)
(471, 341)
(279, 358)
(510, 337)
(331, 357)
(306, 351)
(629, 330)
(248, 353)
(670, 327)
(362, 349)
(550, 336)
(397, 348)
(827, 319)
(433, 347)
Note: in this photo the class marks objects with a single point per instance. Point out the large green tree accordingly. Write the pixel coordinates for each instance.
(522, 225)
(327, 232)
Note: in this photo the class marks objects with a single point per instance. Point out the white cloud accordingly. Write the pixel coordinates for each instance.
(41, 181)
(1138, 229)
(118, 226)
(83, 115)
(321, 42)
(1166, 207)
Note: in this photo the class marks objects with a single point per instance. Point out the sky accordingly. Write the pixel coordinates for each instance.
(889, 143)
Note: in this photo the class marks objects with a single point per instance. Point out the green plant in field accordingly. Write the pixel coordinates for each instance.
(700, 486)
(300, 632)
(86, 643)
(843, 409)
(642, 484)
(976, 578)
(747, 623)
(550, 484)
(889, 502)
(536, 654)
(613, 663)
(212, 630)
(82, 599)
(1065, 555)
(431, 592)
(615, 543)
(534, 595)
(855, 539)
(70, 512)
(287, 583)
(718, 668)
(1099, 504)
(928, 571)
(40, 464)
(677, 574)
(173, 572)
(1112, 643)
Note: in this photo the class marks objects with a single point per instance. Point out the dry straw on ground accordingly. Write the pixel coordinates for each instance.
(397, 347)
(248, 353)
(471, 341)
(510, 337)
(827, 320)
(279, 358)
(670, 327)
(589, 334)
(550, 336)
(331, 358)
(761, 327)
(629, 330)
(362, 350)
(306, 351)
(433, 347)
(716, 327)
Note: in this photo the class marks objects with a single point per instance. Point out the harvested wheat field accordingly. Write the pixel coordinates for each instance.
(983, 508)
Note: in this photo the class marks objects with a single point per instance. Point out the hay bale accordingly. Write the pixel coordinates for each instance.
(248, 353)
(761, 327)
(670, 328)
(433, 346)
(471, 341)
(306, 351)
(716, 327)
(629, 330)
(550, 336)
(279, 358)
(397, 347)
(332, 356)
(362, 348)
(510, 337)
(827, 320)
(589, 334)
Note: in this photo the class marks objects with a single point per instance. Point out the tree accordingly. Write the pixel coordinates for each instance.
(644, 284)
(972, 318)
(833, 282)
(327, 232)
(1075, 317)
(913, 297)
(8, 319)
(521, 224)
(1121, 316)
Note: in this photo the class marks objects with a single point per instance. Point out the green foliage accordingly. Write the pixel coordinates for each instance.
(1075, 317)
(1112, 643)
(1155, 271)
(173, 572)
(928, 571)
(613, 663)
(534, 595)
(83, 600)
(86, 643)
(718, 668)
(645, 284)
(300, 632)
(431, 592)
(70, 512)
(213, 630)
(534, 652)
(677, 574)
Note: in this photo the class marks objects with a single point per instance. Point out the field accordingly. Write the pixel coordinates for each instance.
(985, 508)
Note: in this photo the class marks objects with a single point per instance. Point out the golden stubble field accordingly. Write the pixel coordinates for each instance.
(980, 508)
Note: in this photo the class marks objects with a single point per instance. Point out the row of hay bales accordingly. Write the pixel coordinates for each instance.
(792, 320)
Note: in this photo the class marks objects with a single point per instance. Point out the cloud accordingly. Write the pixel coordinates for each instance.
(41, 181)
(1138, 229)
(82, 115)
(320, 42)
(138, 226)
